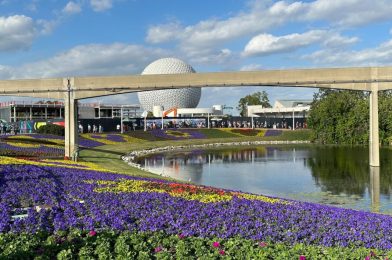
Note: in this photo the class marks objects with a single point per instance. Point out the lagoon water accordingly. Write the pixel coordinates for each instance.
(334, 175)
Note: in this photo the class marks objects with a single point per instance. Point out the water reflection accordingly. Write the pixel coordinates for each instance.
(324, 174)
(375, 188)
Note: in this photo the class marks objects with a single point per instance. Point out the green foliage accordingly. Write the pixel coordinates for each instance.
(51, 129)
(78, 244)
(342, 117)
(339, 116)
(385, 116)
(258, 98)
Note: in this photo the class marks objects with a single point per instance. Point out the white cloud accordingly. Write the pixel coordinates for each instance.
(210, 32)
(5, 72)
(92, 59)
(338, 41)
(260, 17)
(210, 56)
(101, 5)
(251, 67)
(380, 55)
(266, 44)
(17, 32)
(164, 33)
(348, 13)
(72, 8)
(47, 26)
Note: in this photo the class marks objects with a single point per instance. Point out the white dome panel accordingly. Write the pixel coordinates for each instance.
(181, 98)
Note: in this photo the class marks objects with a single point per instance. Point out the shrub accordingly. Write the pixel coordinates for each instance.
(51, 129)
(160, 245)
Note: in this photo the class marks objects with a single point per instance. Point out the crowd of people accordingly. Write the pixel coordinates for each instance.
(201, 123)
(11, 129)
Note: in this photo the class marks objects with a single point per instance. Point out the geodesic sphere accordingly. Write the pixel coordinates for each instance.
(180, 98)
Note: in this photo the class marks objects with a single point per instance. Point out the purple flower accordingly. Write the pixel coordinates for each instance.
(115, 138)
(273, 132)
(75, 203)
(178, 134)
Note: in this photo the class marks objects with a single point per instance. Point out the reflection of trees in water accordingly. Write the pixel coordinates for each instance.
(386, 172)
(337, 169)
(346, 169)
(236, 155)
(218, 155)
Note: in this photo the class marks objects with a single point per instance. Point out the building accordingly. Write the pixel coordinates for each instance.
(281, 109)
(284, 113)
(215, 110)
(15, 111)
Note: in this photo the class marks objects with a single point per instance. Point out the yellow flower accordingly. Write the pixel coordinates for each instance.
(55, 163)
(27, 145)
(185, 191)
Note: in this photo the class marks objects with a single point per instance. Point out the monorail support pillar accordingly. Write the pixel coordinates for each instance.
(70, 121)
(374, 143)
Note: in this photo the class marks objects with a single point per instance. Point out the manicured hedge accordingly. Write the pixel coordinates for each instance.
(51, 129)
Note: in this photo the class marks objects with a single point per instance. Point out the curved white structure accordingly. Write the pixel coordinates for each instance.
(180, 98)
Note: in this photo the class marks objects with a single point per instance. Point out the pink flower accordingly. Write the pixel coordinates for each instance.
(216, 244)
(302, 257)
(158, 249)
(263, 244)
(181, 236)
(92, 233)
(222, 252)
(367, 258)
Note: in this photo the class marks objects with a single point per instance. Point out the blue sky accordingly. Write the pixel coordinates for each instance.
(53, 38)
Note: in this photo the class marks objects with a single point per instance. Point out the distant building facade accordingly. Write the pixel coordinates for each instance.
(15, 111)
(282, 109)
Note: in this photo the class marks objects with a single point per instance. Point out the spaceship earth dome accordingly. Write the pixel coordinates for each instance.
(169, 98)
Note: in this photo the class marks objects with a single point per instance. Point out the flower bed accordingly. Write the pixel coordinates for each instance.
(177, 134)
(247, 132)
(30, 150)
(57, 198)
(273, 132)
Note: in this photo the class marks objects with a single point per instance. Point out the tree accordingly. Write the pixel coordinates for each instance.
(258, 98)
(340, 116)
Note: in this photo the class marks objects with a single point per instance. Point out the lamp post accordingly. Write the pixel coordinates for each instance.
(293, 120)
(121, 120)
